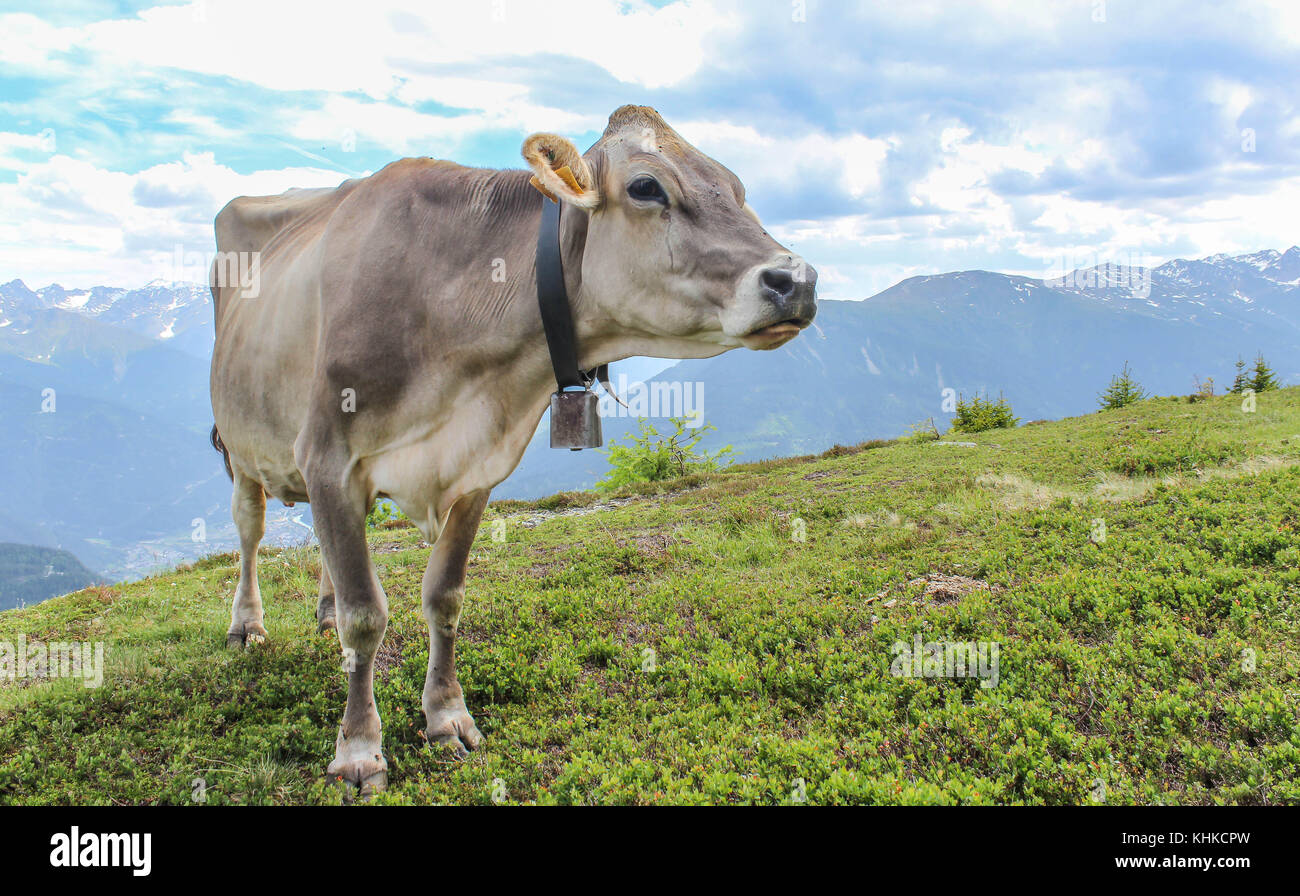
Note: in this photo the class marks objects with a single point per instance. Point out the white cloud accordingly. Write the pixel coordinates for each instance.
(307, 45)
(404, 131)
(68, 221)
(771, 162)
(986, 94)
(17, 150)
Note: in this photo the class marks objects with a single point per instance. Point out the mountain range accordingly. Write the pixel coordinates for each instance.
(104, 390)
(873, 368)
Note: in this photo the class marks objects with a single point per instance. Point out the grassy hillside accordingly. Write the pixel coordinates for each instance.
(1158, 664)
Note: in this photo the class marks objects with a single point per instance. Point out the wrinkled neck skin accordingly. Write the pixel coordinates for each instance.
(601, 339)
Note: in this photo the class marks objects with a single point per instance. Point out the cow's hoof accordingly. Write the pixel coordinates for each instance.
(245, 634)
(455, 728)
(360, 763)
(364, 785)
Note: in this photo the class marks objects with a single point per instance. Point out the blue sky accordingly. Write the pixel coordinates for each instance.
(879, 140)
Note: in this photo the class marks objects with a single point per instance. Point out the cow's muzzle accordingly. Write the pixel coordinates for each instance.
(788, 293)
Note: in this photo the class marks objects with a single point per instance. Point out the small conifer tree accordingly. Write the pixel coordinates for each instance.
(1241, 380)
(1122, 391)
(981, 414)
(1262, 378)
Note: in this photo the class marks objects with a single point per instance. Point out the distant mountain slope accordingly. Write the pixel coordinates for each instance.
(104, 451)
(30, 574)
(870, 369)
(97, 477)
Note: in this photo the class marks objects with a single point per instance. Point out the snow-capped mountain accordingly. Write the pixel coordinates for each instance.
(1217, 286)
(179, 314)
(104, 394)
(1282, 268)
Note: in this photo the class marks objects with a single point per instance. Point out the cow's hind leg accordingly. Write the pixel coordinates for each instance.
(442, 593)
(339, 508)
(325, 613)
(248, 507)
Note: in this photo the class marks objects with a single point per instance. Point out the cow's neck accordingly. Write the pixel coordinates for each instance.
(523, 366)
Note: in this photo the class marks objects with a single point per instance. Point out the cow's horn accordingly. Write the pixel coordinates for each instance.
(601, 373)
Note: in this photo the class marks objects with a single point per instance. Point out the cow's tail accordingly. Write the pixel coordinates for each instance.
(225, 455)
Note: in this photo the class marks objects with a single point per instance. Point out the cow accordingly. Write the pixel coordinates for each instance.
(392, 347)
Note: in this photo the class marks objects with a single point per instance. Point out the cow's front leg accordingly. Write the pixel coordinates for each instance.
(442, 592)
(339, 508)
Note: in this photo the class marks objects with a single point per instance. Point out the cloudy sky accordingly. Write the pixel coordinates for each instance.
(881, 140)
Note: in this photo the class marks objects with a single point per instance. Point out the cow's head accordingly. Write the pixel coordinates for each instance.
(673, 256)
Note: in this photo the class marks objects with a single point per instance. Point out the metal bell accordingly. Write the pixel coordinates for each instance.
(575, 420)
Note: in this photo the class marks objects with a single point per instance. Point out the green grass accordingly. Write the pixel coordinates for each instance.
(1122, 661)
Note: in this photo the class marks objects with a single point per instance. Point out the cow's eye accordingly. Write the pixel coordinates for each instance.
(647, 189)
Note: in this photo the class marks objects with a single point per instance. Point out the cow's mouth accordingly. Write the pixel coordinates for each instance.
(774, 335)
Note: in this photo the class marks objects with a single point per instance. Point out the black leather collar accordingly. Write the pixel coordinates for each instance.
(553, 301)
(557, 318)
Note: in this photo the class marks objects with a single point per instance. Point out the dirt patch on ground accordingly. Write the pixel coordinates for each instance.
(535, 517)
(937, 588)
(395, 547)
(945, 589)
(655, 546)
(541, 570)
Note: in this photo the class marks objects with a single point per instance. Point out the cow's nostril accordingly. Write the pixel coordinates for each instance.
(778, 281)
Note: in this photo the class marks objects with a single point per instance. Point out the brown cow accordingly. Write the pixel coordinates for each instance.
(394, 348)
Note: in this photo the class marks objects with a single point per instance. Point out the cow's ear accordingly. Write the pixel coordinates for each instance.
(559, 171)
